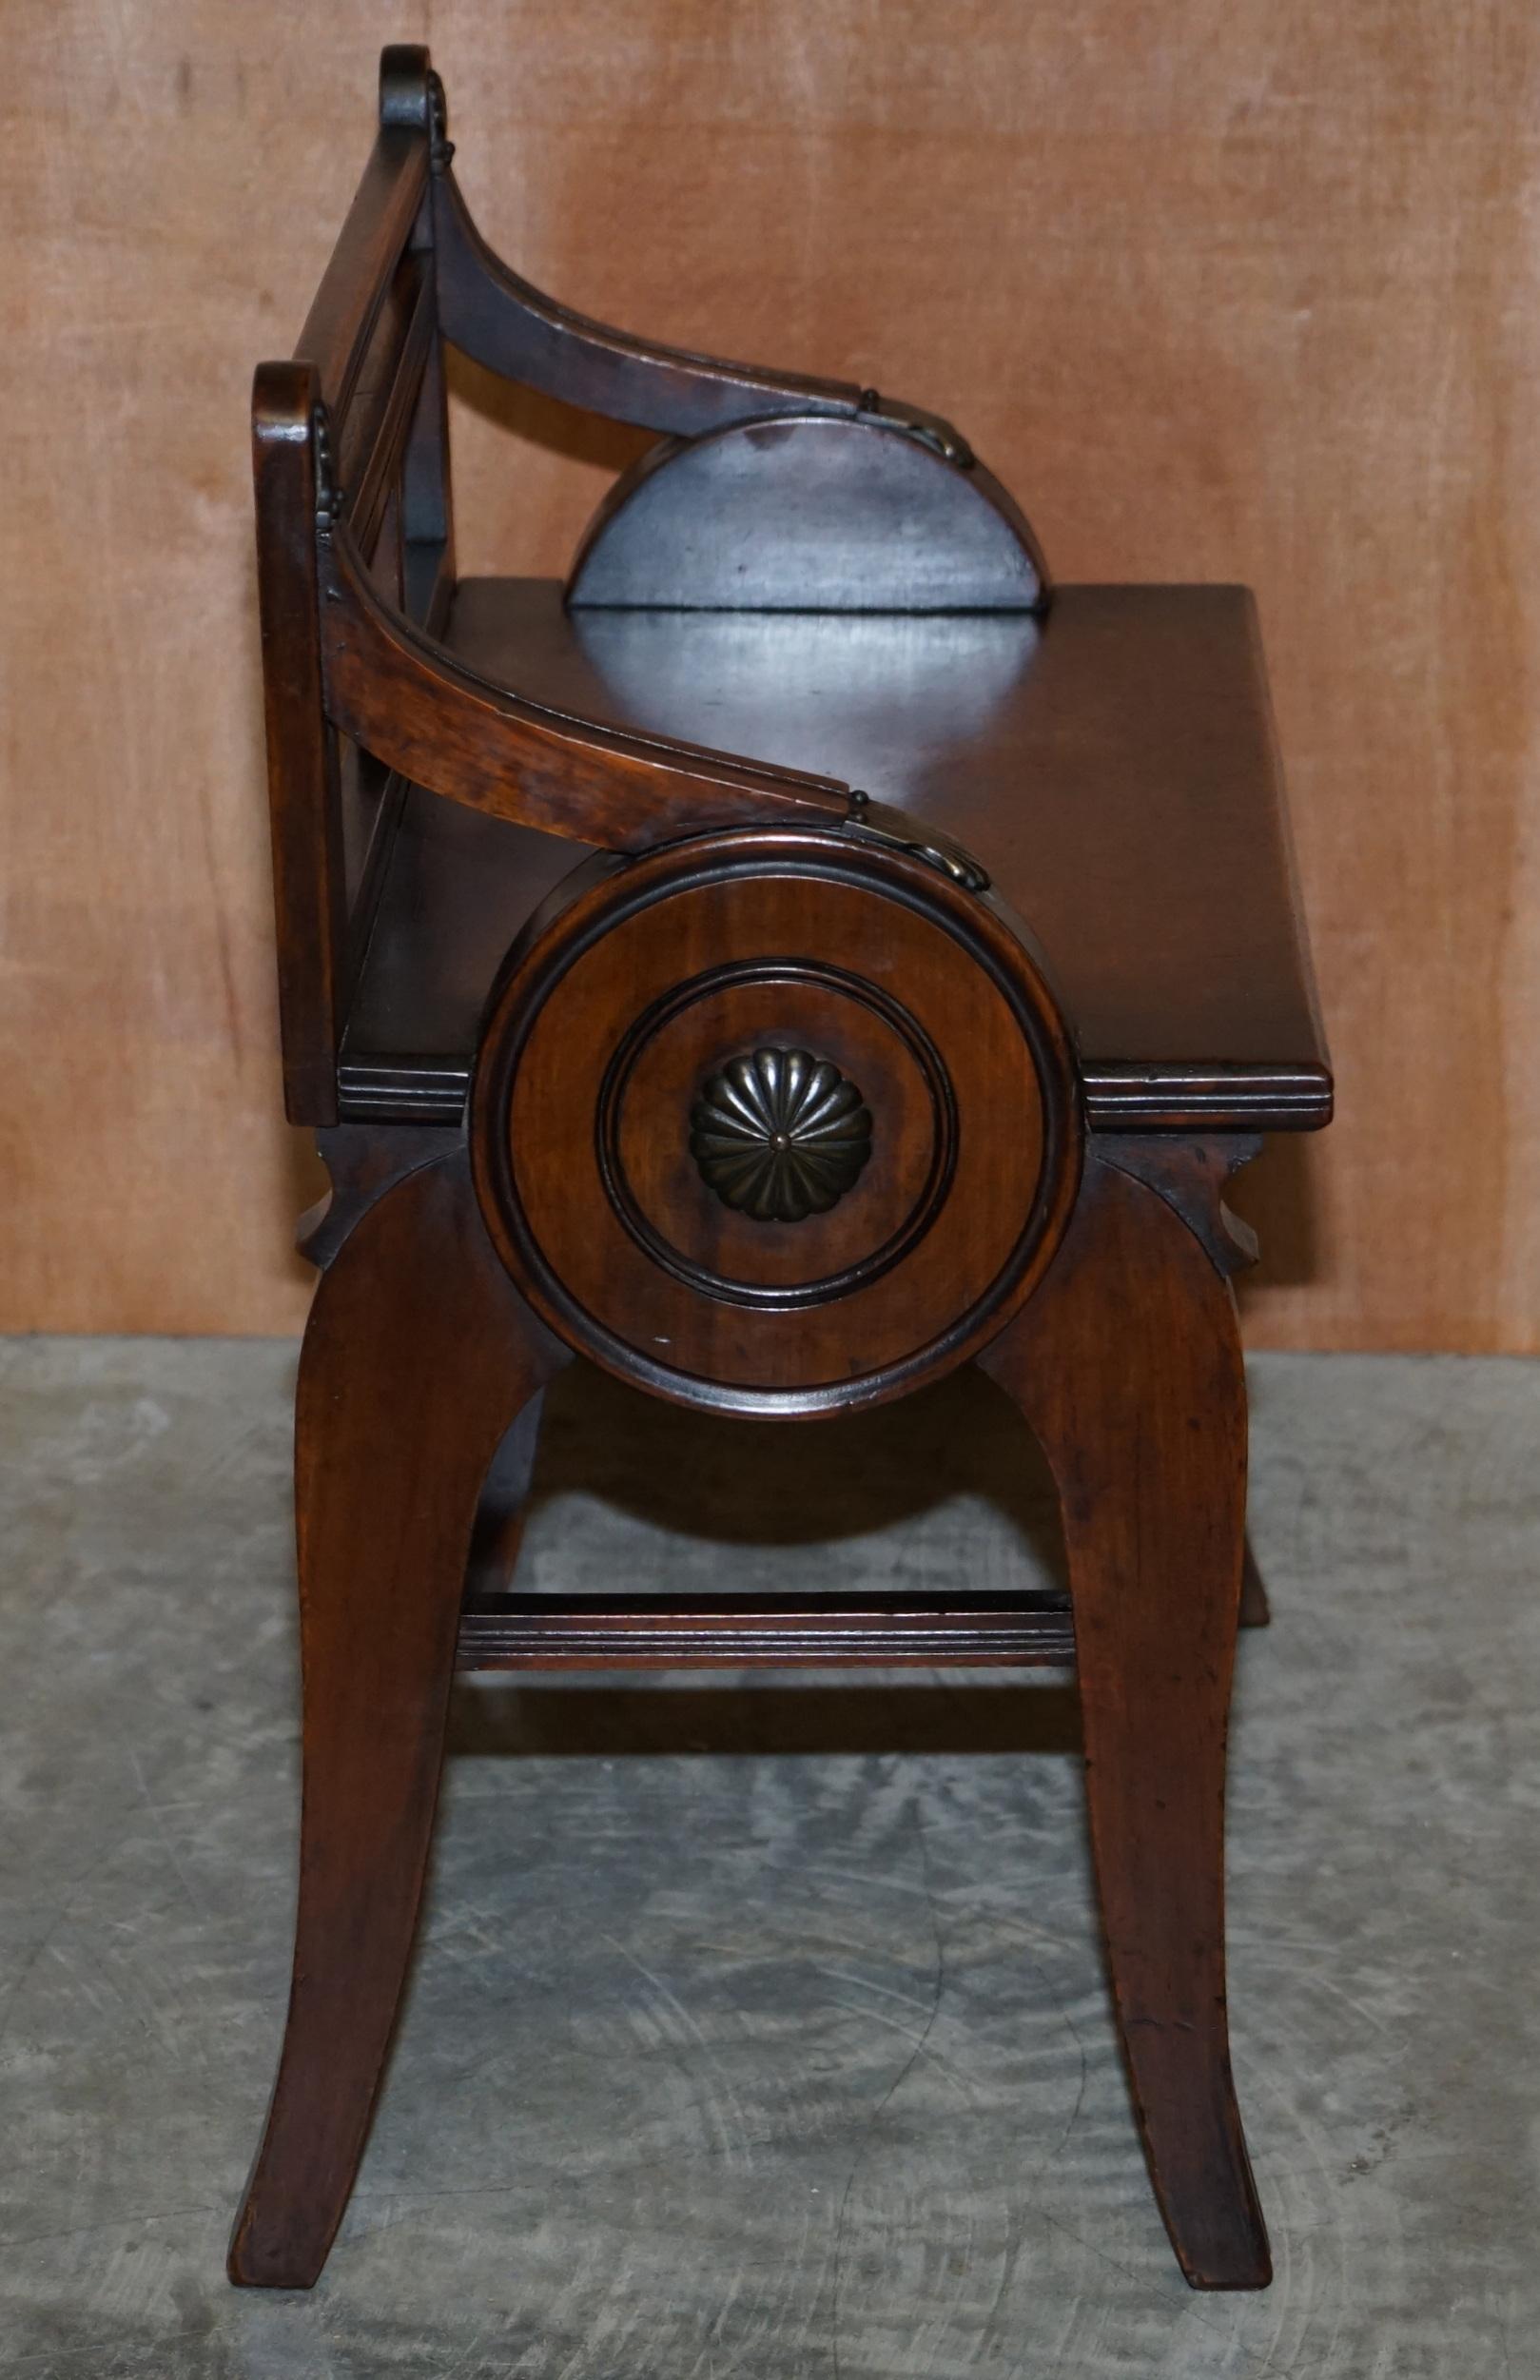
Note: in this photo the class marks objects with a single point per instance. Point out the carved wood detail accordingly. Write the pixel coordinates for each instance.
(780, 1133)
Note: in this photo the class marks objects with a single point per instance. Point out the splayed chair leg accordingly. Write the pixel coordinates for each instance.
(1127, 1366)
(418, 1356)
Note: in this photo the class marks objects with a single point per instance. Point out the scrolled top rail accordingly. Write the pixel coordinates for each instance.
(408, 87)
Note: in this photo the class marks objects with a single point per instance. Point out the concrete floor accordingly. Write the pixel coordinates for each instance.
(760, 2031)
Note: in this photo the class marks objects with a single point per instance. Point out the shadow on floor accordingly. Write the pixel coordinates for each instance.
(698, 1476)
(705, 1498)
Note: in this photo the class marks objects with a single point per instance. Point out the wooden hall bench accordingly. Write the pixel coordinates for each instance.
(795, 958)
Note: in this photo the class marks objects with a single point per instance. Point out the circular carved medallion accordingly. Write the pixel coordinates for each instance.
(780, 1135)
(774, 1122)
(692, 1032)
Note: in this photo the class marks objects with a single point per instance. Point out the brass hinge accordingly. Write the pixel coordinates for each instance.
(878, 822)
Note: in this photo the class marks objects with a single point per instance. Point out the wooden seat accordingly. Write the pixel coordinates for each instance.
(799, 956)
(1115, 762)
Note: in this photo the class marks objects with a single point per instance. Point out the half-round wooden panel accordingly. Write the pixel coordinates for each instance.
(808, 514)
(718, 962)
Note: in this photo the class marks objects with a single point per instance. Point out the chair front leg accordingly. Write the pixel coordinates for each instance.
(417, 1357)
(1127, 1366)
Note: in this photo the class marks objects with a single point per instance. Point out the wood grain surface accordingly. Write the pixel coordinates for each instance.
(1241, 291)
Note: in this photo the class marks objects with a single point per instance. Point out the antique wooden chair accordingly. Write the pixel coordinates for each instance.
(933, 960)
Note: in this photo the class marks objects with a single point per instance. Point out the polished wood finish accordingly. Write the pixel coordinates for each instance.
(1128, 1369)
(843, 993)
(580, 725)
(466, 737)
(340, 325)
(808, 512)
(1258, 314)
(308, 862)
(354, 585)
(383, 409)
(794, 1631)
(346, 402)
(418, 1358)
(926, 997)
(504, 322)
(1114, 767)
(505, 1630)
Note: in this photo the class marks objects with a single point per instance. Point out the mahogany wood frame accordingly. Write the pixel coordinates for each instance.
(426, 1359)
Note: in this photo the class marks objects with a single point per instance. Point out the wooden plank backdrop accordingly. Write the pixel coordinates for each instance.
(1223, 288)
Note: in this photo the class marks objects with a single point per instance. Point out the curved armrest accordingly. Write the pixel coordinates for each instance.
(504, 322)
(420, 711)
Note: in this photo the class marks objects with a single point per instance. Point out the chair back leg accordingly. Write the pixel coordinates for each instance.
(1127, 1366)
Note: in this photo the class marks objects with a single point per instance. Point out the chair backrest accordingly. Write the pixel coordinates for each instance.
(355, 570)
(361, 409)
